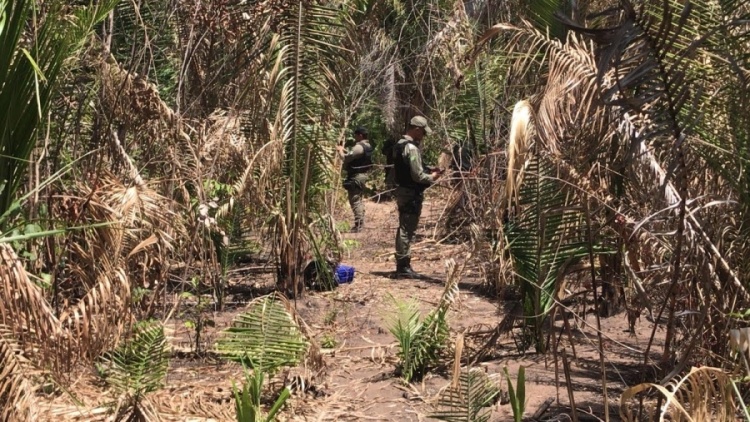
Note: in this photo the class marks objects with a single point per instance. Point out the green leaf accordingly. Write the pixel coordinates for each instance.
(265, 337)
(25, 100)
(518, 395)
(139, 365)
(544, 236)
(283, 397)
(20, 237)
(521, 392)
(32, 229)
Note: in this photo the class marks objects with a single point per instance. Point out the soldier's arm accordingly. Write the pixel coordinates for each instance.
(355, 153)
(418, 173)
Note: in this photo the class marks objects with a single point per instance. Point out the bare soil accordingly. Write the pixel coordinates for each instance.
(359, 383)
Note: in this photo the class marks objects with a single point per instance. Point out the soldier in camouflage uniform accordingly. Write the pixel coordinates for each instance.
(357, 162)
(411, 179)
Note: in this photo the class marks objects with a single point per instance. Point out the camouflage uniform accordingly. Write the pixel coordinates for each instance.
(412, 180)
(357, 163)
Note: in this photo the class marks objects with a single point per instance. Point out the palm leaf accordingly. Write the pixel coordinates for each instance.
(266, 336)
(309, 46)
(422, 341)
(543, 237)
(703, 394)
(663, 64)
(248, 406)
(29, 77)
(517, 395)
(405, 325)
(469, 400)
(23, 308)
(16, 392)
(139, 366)
(544, 15)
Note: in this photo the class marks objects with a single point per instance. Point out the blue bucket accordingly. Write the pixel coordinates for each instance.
(344, 274)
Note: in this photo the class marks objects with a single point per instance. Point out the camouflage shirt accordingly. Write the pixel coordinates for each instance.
(413, 157)
(358, 151)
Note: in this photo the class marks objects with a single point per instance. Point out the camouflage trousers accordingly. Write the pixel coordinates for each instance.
(409, 204)
(355, 188)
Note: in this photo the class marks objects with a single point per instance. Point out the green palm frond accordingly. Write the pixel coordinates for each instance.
(28, 77)
(544, 15)
(139, 366)
(313, 46)
(248, 407)
(405, 324)
(474, 104)
(265, 337)
(547, 234)
(469, 399)
(422, 341)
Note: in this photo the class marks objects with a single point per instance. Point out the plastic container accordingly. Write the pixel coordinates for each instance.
(344, 274)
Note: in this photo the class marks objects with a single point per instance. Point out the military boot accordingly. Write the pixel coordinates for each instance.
(404, 270)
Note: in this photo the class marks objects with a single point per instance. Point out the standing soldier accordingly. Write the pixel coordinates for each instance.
(411, 180)
(357, 163)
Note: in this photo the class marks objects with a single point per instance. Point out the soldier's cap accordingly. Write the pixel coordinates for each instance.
(421, 121)
(360, 130)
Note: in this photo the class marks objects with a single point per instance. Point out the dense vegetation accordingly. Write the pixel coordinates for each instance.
(146, 147)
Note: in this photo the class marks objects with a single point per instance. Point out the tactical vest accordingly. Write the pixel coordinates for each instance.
(403, 170)
(362, 164)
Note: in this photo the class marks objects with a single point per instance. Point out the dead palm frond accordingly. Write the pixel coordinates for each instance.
(469, 399)
(521, 129)
(704, 394)
(106, 264)
(99, 318)
(23, 308)
(16, 386)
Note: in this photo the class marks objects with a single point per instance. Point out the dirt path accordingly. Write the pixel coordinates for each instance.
(360, 376)
(358, 383)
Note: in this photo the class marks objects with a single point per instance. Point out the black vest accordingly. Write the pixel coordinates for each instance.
(403, 170)
(362, 164)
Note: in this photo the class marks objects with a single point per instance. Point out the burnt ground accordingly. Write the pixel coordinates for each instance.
(359, 383)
